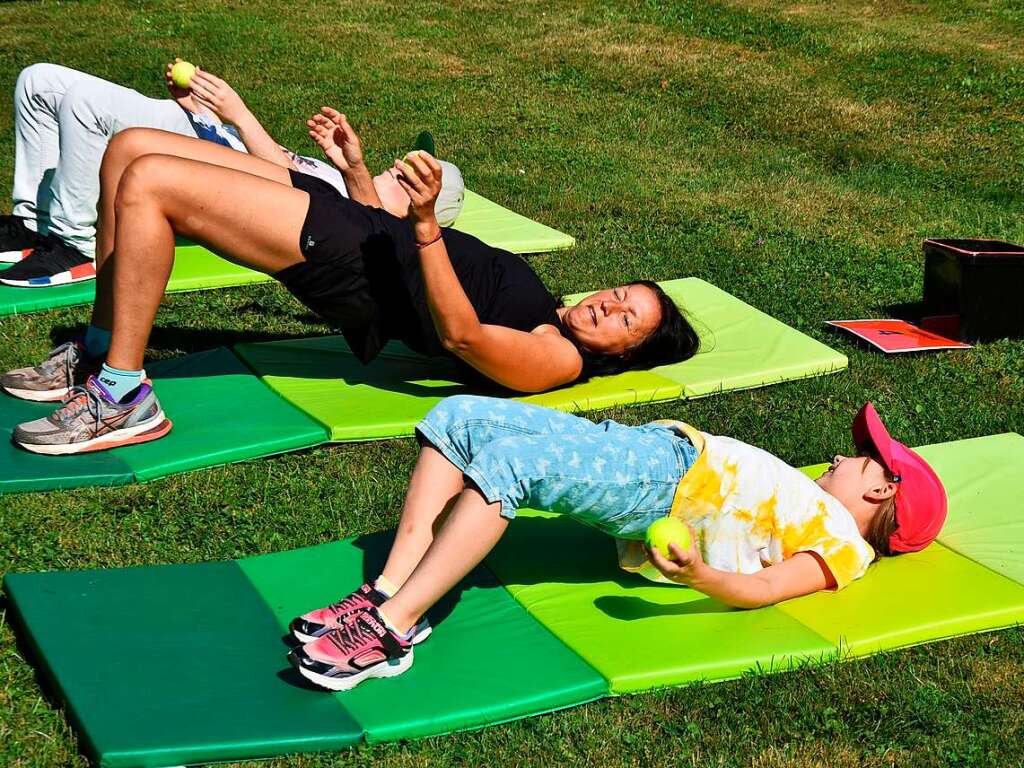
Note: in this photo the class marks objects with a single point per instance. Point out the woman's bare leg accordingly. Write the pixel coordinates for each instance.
(126, 147)
(433, 488)
(248, 220)
(472, 529)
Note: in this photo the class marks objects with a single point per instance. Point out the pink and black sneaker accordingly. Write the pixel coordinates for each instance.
(362, 647)
(309, 626)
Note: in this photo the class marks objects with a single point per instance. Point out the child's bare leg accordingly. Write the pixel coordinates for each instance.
(228, 212)
(126, 147)
(472, 529)
(433, 488)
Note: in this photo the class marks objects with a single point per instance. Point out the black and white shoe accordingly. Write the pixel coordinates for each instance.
(16, 239)
(51, 262)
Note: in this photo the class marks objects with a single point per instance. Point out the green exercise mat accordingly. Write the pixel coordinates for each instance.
(221, 414)
(502, 228)
(638, 635)
(195, 268)
(151, 677)
(983, 478)
(566, 576)
(741, 347)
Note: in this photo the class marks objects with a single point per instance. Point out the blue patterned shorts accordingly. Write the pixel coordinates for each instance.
(616, 478)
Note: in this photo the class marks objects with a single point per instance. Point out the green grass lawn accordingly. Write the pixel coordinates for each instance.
(795, 155)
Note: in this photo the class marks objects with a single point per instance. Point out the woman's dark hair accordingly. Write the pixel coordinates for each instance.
(673, 341)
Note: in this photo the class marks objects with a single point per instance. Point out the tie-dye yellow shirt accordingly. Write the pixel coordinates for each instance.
(750, 510)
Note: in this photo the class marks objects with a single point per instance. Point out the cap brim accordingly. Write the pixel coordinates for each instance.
(869, 433)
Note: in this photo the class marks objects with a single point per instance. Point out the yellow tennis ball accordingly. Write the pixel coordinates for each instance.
(665, 531)
(181, 73)
(413, 153)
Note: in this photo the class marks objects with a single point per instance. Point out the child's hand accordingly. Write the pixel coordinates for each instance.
(686, 565)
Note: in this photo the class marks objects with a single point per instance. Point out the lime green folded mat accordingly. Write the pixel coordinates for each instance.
(676, 635)
(150, 676)
(196, 268)
(548, 621)
(741, 347)
(221, 414)
(317, 392)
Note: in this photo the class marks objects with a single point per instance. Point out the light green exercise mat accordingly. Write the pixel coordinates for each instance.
(196, 268)
(741, 348)
(678, 635)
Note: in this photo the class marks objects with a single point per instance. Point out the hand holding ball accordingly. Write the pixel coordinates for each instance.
(668, 530)
(181, 73)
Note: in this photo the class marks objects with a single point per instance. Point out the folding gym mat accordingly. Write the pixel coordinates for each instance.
(327, 395)
(151, 690)
(196, 392)
(741, 347)
(196, 268)
(679, 635)
(150, 678)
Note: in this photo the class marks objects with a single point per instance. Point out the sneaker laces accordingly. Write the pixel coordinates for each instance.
(347, 604)
(66, 360)
(351, 636)
(79, 399)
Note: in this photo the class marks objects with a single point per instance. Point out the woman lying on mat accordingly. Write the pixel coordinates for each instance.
(762, 531)
(372, 274)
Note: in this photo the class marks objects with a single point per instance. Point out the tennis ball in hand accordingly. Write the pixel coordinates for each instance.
(181, 73)
(665, 531)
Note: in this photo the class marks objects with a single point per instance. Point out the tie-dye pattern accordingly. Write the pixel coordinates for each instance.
(750, 510)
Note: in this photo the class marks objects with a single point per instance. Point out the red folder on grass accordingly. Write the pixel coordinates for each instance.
(893, 336)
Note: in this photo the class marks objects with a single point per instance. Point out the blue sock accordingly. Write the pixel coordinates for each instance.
(119, 383)
(97, 341)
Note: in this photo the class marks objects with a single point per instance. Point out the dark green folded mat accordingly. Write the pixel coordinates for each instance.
(150, 677)
(195, 268)
(180, 664)
(221, 414)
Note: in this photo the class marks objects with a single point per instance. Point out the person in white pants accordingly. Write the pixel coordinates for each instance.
(64, 120)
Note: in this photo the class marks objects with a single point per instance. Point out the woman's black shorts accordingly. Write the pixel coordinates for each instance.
(347, 247)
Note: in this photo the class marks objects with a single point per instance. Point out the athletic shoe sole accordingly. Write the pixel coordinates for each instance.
(151, 429)
(418, 638)
(78, 274)
(38, 395)
(13, 257)
(391, 668)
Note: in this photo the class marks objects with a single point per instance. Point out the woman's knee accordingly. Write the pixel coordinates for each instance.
(141, 181)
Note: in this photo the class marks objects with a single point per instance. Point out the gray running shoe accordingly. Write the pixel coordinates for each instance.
(65, 367)
(90, 420)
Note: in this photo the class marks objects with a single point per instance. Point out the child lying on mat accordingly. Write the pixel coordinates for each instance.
(762, 530)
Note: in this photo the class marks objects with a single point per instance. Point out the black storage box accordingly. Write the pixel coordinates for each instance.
(974, 289)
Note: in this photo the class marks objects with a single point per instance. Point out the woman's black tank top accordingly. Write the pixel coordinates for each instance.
(501, 286)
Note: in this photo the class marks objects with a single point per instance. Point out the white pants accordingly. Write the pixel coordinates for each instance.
(63, 120)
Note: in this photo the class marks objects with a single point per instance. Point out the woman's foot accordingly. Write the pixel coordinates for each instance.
(310, 626)
(361, 648)
(91, 420)
(67, 366)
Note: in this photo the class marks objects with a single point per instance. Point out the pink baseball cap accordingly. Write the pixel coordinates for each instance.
(920, 497)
